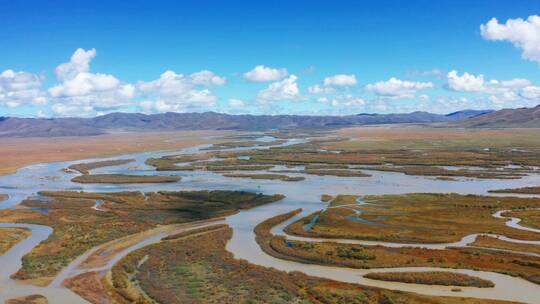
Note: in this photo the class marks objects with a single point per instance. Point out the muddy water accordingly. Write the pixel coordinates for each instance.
(304, 194)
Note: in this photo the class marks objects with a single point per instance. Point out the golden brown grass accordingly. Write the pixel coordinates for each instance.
(89, 286)
(200, 270)
(366, 257)
(85, 168)
(31, 299)
(492, 242)
(417, 218)
(124, 179)
(281, 177)
(529, 218)
(431, 278)
(9, 237)
(78, 228)
(524, 190)
(19, 152)
(399, 135)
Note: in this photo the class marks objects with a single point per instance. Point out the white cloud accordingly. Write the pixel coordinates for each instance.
(341, 80)
(207, 78)
(523, 34)
(515, 83)
(236, 103)
(286, 89)
(173, 92)
(262, 73)
(531, 92)
(348, 101)
(397, 89)
(331, 83)
(79, 63)
(499, 93)
(74, 110)
(465, 83)
(317, 89)
(19, 88)
(86, 91)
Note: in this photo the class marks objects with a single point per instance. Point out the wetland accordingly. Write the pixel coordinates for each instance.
(348, 216)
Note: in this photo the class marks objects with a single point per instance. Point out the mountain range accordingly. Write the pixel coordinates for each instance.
(506, 118)
(114, 122)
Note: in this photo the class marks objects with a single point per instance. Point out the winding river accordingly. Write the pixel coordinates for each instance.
(303, 194)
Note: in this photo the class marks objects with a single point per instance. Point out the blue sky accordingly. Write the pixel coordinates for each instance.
(337, 57)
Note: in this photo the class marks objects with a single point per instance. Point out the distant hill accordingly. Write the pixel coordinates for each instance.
(41, 127)
(467, 114)
(506, 118)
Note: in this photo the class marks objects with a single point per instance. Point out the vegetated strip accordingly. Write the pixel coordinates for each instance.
(281, 177)
(524, 190)
(200, 270)
(85, 168)
(123, 179)
(77, 228)
(365, 257)
(431, 278)
(9, 237)
(194, 231)
(492, 242)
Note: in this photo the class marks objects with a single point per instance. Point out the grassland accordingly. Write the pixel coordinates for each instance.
(31, 299)
(492, 242)
(524, 190)
(443, 173)
(529, 218)
(19, 152)
(417, 218)
(431, 278)
(244, 143)
(200, 270)
(123, 179)
(366, 257)
(409, 150)
(330, 172)
(85, 168)
(77, 227)
(267, 176)
(9, 237)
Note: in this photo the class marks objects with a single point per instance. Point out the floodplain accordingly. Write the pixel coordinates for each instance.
(384, 214)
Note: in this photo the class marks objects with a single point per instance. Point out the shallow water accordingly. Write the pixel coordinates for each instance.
(303, 194)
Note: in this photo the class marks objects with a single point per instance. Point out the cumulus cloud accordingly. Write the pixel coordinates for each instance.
(523, 34)
(88, 92)
(531, 93)
(173, 92)
(262, 73)
(19, 88)
(499, 93)
(348, 101)
(78, 63)
(207, 78)
(236, 103)
(341, 80)
(397, 89)
(465, 83)
(332, 83)
(286, 89)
